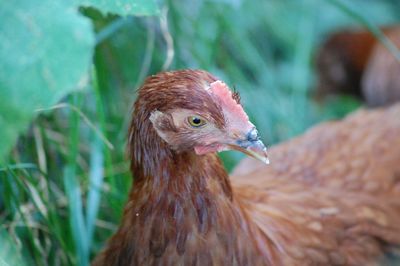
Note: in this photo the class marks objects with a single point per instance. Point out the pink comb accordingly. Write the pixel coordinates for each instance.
(222, 92)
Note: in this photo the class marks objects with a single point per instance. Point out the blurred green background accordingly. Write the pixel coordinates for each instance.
(68, 75)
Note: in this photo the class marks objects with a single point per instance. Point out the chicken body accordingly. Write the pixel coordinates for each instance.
(330, 197)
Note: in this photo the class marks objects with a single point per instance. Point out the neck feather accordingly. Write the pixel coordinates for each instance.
(175, 195)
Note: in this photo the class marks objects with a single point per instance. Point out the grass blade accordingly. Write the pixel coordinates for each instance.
(95, 183)
(73, 191)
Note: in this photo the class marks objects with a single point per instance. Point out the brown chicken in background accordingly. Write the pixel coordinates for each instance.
(355, 62)
(329, 197)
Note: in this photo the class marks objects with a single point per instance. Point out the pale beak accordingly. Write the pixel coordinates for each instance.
(252, 146)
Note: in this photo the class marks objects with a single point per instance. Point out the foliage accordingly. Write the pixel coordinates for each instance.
(64, 184)
(34, 72)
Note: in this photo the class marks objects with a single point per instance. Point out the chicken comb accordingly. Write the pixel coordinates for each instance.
(220, 90)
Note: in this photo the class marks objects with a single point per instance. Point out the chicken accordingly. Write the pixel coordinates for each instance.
(330, 197)
(355, 62)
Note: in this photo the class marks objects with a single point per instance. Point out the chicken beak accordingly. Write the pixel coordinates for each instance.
(251, 146)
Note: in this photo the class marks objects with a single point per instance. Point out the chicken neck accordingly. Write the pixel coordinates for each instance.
(181, 209)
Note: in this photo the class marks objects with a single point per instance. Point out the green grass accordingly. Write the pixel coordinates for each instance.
(63, 191)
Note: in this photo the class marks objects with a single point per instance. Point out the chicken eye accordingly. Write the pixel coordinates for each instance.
(196, 121)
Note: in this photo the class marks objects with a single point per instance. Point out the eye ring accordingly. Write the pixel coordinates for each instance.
(196, 121)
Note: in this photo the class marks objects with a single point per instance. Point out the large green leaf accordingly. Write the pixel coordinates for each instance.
(123, 7)
(46, 48)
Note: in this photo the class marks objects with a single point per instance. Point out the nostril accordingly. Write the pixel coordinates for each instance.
(253, 135)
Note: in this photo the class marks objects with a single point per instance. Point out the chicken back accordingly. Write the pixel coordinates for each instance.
(331, 196)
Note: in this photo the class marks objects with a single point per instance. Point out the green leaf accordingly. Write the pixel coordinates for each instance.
(46, 50)
(123, 7)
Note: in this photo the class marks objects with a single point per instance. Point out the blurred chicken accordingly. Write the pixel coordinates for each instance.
(356, 62)
(330, 197)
